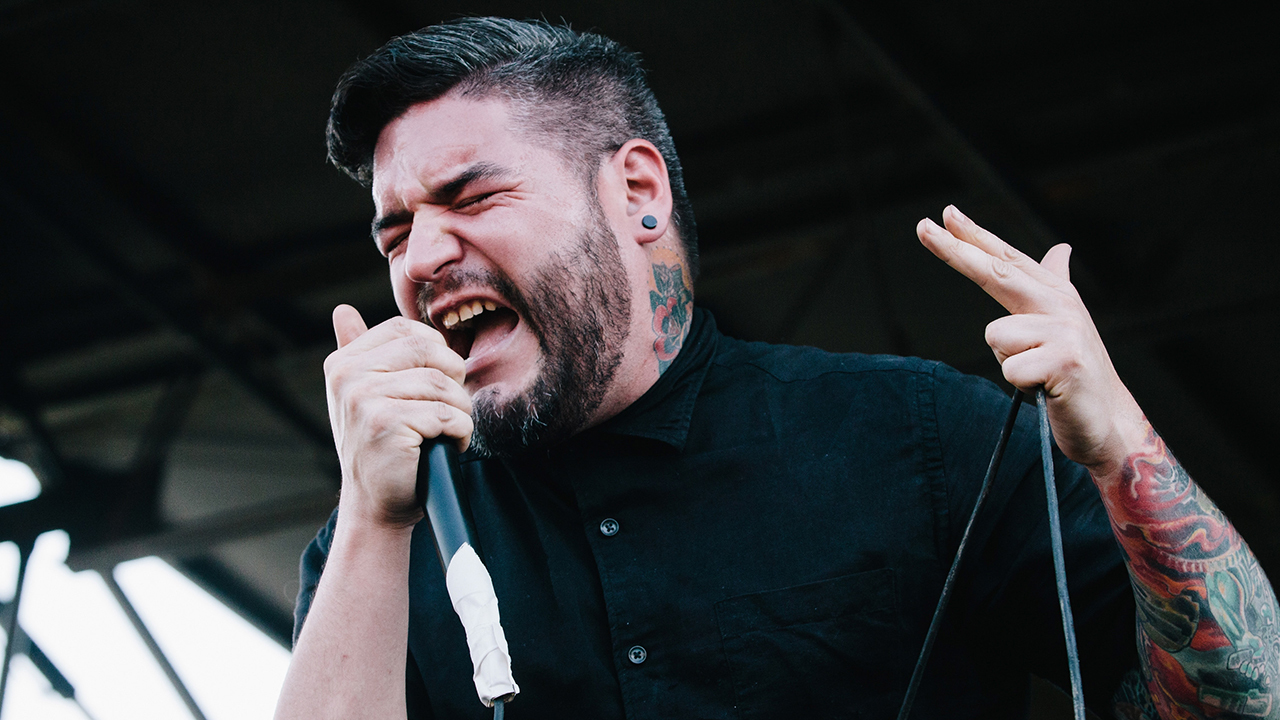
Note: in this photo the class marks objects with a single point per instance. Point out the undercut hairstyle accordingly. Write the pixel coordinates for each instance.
(583, 92)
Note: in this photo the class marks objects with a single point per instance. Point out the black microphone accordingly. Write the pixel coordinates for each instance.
(438, 473)
(470, 587)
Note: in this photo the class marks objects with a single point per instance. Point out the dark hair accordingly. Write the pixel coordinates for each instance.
(583, 91)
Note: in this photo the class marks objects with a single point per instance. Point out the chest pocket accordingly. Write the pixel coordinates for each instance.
(814, 650)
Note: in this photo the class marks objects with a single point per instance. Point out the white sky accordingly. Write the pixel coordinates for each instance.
(232, 669)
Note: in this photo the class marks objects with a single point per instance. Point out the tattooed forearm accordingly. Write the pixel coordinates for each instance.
(1133, 700)
(1207, 630)
(672, 304)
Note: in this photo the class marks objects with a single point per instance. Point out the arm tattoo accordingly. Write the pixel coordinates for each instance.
(672, 304)
(1133, 700)
(1207, 633)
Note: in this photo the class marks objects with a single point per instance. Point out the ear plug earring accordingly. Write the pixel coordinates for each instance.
(649, 222)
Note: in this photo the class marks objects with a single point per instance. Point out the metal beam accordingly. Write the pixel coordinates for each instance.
(99, 382)
(158, 219)
(263, 612)
(24, 645)
(197, 536)
(967, 161)
(256, 378)
(11, 624)
(14, 394)
(154, 647)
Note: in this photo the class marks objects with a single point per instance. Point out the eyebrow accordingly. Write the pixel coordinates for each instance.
(447, 192)
(390, 220)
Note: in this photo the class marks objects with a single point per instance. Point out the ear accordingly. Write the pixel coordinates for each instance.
(638, 184)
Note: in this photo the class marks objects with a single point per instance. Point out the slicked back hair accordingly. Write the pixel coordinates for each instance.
(582, 91)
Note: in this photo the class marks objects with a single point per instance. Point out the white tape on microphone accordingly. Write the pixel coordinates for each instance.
(471, 591)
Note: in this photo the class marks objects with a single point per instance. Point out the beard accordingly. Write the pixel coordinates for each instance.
(579, 309)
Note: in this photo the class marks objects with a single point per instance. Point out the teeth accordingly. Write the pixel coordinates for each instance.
(466, 312)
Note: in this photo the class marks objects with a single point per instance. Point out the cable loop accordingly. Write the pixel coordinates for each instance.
(1055, 541)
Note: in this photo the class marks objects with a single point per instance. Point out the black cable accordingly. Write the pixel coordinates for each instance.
(992, 468)
(1059, 564)
(499, 707)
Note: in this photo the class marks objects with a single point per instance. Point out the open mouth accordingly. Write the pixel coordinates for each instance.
(474, 326)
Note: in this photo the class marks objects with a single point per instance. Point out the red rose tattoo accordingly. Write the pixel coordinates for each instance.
(672, 304)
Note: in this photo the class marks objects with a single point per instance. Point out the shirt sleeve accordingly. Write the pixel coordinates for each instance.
(415, 692)
(309, 569)
(1006, 594)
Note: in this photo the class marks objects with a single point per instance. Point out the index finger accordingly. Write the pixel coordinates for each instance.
(1004, 281)
(959, 225)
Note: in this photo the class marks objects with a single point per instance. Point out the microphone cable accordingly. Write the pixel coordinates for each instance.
(1055, 541)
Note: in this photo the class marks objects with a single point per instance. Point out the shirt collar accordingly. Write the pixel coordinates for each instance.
(663, 413)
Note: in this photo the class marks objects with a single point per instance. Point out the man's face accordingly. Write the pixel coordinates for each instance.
(497, 243)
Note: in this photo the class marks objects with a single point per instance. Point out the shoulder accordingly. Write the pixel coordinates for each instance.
(799, 363)
(796, 388)
(789, 363)
(870, 387)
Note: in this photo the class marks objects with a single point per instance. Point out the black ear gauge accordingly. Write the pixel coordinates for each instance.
(649, 222)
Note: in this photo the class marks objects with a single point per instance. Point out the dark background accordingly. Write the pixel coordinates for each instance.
(172, 242)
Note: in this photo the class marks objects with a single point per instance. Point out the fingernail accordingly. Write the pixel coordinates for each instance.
(959, 214)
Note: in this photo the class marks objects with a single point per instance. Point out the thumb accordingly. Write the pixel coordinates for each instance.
(347, 324)
(1057, 261)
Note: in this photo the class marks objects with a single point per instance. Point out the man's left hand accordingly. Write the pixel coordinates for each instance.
(1049, 339)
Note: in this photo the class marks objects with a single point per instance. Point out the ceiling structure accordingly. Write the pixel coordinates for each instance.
(172, 242)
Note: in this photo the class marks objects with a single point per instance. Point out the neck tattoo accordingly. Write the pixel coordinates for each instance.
(672, 302)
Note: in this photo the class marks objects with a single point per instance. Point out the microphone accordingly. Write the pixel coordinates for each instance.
(438, 473)
(466, 578)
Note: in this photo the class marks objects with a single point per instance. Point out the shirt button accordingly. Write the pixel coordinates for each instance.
(637, 655)
(609, 528)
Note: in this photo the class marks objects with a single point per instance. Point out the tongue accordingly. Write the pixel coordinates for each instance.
(490, 329)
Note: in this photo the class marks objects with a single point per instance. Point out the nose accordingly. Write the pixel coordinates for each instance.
(430, 248)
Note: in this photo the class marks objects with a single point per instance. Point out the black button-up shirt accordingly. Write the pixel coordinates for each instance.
(765, 534)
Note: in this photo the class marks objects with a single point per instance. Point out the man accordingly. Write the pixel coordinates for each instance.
(684, 525)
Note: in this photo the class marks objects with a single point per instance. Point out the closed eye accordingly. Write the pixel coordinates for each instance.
(475, 203)
(394, 243)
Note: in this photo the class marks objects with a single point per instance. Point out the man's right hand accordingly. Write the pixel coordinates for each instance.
(390, 389)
